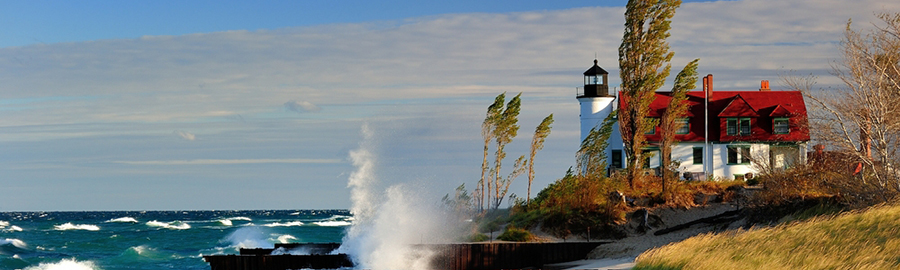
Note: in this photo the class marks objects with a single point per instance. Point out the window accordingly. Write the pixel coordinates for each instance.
(781, 126)
(684, 126)
(698, 155)
(737, 126)
(616, 161)
(739, 154)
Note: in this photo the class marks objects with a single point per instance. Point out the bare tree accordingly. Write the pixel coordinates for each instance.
(862, 119)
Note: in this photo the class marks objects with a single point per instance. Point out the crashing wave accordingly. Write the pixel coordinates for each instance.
(69, 226)
(123, 219)
(286, 238)
(288, 224)
(14, 242)
(174, 225)
(228, 221)
(333, 223)
(65, 264)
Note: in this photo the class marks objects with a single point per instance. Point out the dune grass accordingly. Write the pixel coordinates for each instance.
(859, 240)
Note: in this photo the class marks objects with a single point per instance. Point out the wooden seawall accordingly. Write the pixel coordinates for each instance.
(469, 256)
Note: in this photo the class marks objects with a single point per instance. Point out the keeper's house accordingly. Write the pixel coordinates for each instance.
(725, 134)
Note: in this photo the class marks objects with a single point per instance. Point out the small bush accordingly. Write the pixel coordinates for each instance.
(478, 237)
(515, 235)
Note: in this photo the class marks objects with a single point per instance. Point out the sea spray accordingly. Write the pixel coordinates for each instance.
(387, 228)
(249, 237)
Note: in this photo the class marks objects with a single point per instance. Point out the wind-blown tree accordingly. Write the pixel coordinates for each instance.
(506, 128)
(670, 120)
(537, 143)
(643, 67)
(591, 156)
(487, 133)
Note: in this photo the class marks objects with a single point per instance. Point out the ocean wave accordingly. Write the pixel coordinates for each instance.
(3, 224)
(287, 224)
(69, 226)
(143, 253)
(286, 238)
(228, 221)
(123, 219)
(14, 242)
(174, 225)
(13, 228)
(333, 223)
(65, 264)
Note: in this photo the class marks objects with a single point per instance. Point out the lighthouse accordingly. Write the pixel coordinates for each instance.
(595, 99)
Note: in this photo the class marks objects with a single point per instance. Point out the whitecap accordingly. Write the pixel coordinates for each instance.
(228, 221)
(13, 228)
(174, 225)
(65, 264)
(123, 219)
(12, 241)
(3, 224)
(69, 226)
(288, 224)
(295, 213)
(333, 223)
(286, 238)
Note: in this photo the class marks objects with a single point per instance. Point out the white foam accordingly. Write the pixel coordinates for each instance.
(228, 221)
(286, 238)
(249, 237)
(12, 241)
(3, 224)
(123, 219)
(65, 264)
(388, 224)
(13, 228)
(69, 226)
(333, 223)
(174, 225)
(288, 224)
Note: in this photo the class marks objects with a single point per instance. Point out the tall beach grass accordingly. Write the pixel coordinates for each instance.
(858, 240)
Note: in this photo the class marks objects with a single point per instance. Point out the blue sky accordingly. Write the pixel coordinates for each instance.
(227, 105)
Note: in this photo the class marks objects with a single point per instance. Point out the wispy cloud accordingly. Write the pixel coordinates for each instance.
(231, 161)
(185, 135)
(301, 106)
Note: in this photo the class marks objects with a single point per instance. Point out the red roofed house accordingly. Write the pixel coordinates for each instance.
(742, 131)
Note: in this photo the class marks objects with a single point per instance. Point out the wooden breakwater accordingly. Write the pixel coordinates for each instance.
(483, 256)
(471, 256)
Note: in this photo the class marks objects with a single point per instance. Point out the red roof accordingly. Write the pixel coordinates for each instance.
(762, 107)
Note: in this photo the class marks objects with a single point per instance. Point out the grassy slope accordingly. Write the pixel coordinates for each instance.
(865, 240)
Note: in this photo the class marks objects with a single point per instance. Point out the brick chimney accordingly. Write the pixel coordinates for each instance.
(764, 86)
(708, 86)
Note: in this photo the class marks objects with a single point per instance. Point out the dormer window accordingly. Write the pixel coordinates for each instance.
(781, 126)
(738, 126)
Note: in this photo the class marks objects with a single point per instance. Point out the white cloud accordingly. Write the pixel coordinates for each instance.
(301, 106)
(185, 135)
(231, 161)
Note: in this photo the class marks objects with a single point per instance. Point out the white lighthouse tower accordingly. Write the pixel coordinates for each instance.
(596, 101)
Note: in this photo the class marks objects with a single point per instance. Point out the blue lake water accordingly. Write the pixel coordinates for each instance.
(154, 239)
